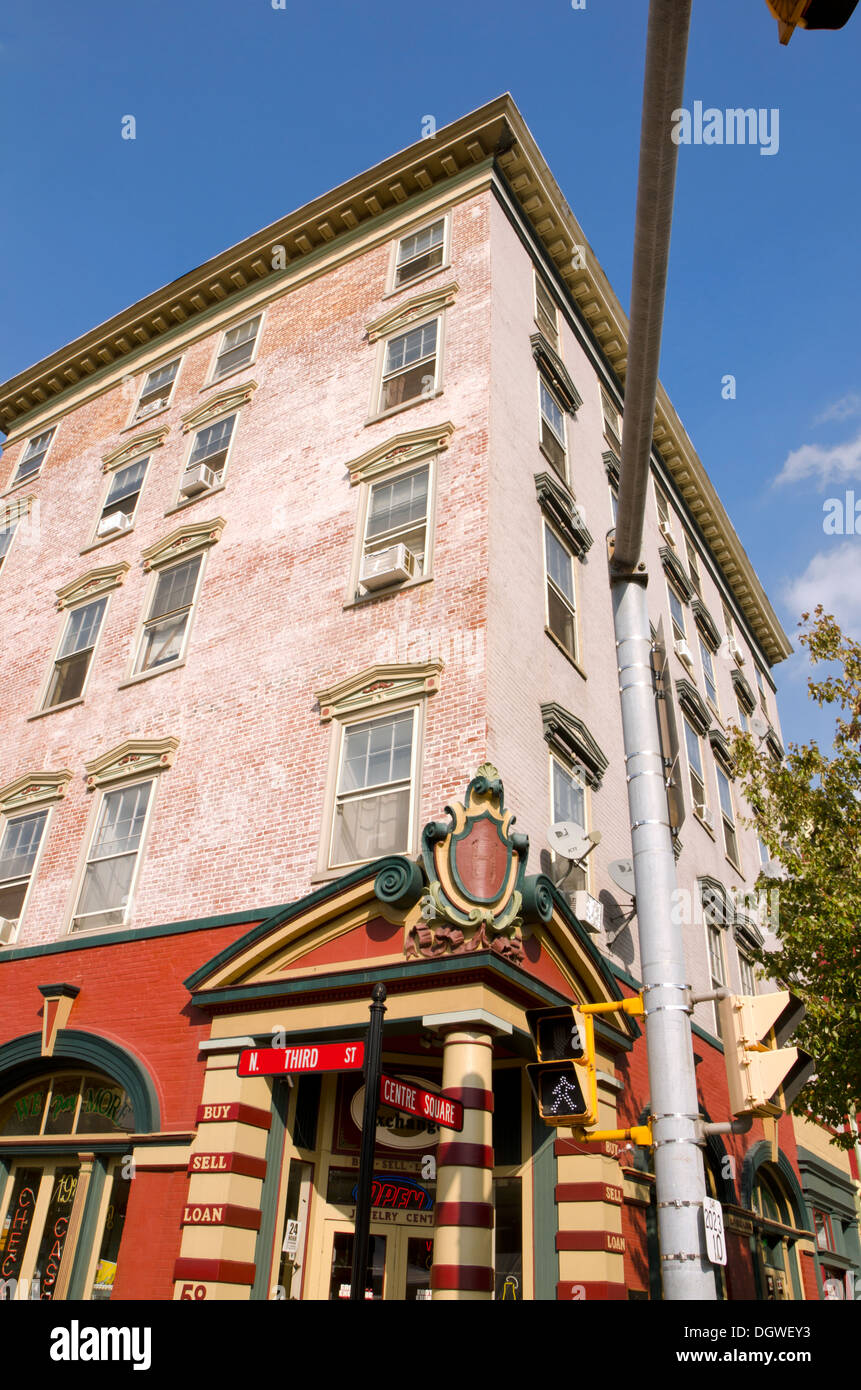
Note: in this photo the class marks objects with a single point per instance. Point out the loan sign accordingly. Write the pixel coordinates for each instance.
(281, 1061)
(401, 1095)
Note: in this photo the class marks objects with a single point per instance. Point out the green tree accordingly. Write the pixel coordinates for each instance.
(807, 810)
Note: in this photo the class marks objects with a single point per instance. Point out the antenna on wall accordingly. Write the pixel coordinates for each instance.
(621, 872)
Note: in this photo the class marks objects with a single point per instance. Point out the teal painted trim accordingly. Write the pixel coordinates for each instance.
(89, 943)
(269, 1196)
(623, 975)
(824, 1183)
(753, 1160)
(545, 1222)
(73, 1047)
(707, 1037)
(612, 1035)
(87, 1235)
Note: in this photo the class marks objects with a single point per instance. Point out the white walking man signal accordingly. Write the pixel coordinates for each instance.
(565, 1098)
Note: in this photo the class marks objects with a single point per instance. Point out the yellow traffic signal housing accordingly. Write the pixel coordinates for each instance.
(563, 1078)
(809, 14)
(764, 1076)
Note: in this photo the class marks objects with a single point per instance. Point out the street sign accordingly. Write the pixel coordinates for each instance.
(414, 1100)
(715, 1243)
(284, 1061)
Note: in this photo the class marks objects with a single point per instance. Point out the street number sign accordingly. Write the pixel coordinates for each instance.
(715, 1242)
(414, 1100)
(305, 1057)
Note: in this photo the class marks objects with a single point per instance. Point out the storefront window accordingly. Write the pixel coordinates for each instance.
(67, 1103)
(342, 1266)
(112, 1234)
(508, 1238)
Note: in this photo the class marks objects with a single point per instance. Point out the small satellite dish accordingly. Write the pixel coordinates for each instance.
(571, 841)
(759, 726)
(621, 872)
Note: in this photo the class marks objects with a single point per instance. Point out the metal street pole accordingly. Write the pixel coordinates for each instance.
(373, 1068)
(679, 1175)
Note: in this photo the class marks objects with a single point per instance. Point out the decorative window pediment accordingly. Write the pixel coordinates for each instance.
(718, 907)
(379, 685)
(401, 449)
(553, 368)
(720, 748)
(93, 584)
(706, 624)
(34, 789)
(130, 759)
(222, 403)
(676, 570)
(134, 448)
(184, 541)
(559, 506)
(419, 307)
(694, 705)
(774, 745)
(747, 934)
(569, 736)
(746, 697)
(613, 466)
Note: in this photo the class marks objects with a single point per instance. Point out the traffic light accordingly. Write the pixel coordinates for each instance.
(563, 1078)
(764, 1076)
(809, 14)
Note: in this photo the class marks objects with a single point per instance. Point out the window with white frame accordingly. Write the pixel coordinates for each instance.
(764, 856)
(372, 814)
(165, 628)
(709, 674)
(420, 253)
(112, 861)
(396, 526)
(568, 800)
(760, 685)
(34, 455)
(19, 846)
(553, 443)
(614, 502)
(546, 315)
(717, 966)
(410, 366)
(237, 348)
(727, 815)
(157, 390)
(694, 568)
(612, 422)
(208, 458)
(742, 716)
(7, 533)
(694, 747)
(122, 499)
(75, 653)
(746, 974)
(560, 590)
(677, 615)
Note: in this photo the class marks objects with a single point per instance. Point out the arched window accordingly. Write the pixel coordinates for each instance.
(775, 1246)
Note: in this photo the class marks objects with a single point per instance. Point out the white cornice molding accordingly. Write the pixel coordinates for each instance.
(378, 685)
(221, 404)
(130, 759)
(34, 789)
(93, 584)
(400, 449)
(134, 448)
(421, 306)
(184, 541)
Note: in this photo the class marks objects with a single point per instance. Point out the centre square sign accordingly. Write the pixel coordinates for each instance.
(428, 1105)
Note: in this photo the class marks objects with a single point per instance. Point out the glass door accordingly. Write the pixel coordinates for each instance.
(35, 1229)
(340, 1266)
(399, 1263)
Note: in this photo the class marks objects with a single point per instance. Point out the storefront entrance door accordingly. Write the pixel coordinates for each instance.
(399, 1262)
(35, 1228)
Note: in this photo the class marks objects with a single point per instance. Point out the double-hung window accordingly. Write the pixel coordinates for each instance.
(709, 674)
(208, 458)
(727, 815)
(677, 615)
(546, 315)
(166, 625)
(7, 532)
(561, 601)
(717, 968)
(694, 568)
(410, 366)
(75, 654)
(746, 974)
(742, 717)
(19, 847)
(157, 390)
(373, 796)
(694, 747)
(111, 867)
(420, 253)
(612, 423)
(237, 348)
(33, 456)
(122, 499)
(552, 417)
(396, 526)
(760, 685)
(664, 518)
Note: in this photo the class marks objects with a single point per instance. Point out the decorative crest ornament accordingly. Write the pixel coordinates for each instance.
(478, 895)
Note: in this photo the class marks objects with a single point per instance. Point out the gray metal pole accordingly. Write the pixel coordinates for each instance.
(679, 1176)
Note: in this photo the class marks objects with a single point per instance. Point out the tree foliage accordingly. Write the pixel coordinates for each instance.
(807, 811)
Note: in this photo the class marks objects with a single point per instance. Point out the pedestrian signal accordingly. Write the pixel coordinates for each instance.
(764, 1076)
(563, 1078)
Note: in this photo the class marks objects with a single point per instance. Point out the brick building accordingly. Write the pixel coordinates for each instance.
(305, 590)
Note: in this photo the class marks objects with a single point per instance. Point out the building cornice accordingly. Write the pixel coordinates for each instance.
(496, 132)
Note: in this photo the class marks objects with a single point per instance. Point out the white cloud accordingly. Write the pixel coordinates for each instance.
(832, 578)
(843, 409)
(840, 463)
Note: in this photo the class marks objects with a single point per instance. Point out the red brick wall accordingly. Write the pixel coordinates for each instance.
(151, 1237)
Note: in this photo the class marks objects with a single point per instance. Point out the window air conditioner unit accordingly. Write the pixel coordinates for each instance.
(684, 653)
(736, 651)
(588, 910)
(390, 566)
(114, 522)
(150, 408)
(197, 479)
(7, 930)
(706, 815)
(667, 532)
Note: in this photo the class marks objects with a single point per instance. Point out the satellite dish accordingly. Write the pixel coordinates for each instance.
(621, 872)
(759, 726)
(572, 841)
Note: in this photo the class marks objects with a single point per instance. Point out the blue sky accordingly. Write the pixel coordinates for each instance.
(244, 112)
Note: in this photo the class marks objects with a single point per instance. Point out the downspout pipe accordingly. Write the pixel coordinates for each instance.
(686, 1273)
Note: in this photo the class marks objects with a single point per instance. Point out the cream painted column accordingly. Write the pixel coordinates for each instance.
(463, 1236)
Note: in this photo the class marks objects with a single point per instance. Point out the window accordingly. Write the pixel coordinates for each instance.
(76, 652)
(561, 604)
(677, 615)
(397, 515)
(760, 685)
(208, 458)
(237, 348)
(764, 856)
(824, 1232)
(166, 624)
(746, 974)
(694, 568)
(111, 866)
(568, 795)
(157, 390)
(614, 503)
(122, 499)
(612, 422)
(694, 748)
(410, 366)
(742, 717)
(420, 253)
(709, 674)
(33, 456)
(19, 847)
(545, 312)
(372, 803)
(717, 969)
(727, 815)
(552, 428)
(7, 532)
(664, 518)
